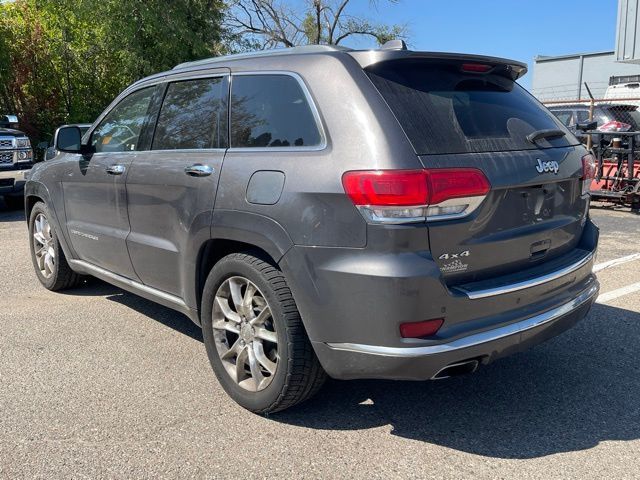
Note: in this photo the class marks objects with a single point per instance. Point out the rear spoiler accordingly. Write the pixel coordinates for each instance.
(367, 59)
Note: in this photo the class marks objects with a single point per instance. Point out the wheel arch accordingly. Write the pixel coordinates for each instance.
(235, 231)
(35, 192)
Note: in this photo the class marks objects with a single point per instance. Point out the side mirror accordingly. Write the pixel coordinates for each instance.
(68, 139)
(586, 126)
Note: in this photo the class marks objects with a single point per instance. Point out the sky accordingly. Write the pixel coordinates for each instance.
(517, 29)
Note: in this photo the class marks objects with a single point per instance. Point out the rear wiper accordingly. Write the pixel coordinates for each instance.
(548, 133)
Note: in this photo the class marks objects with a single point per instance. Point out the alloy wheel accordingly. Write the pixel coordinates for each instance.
(244, 333)
(43, 246)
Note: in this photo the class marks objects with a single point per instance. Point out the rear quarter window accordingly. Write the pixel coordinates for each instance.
(443, 110)
(271, 111)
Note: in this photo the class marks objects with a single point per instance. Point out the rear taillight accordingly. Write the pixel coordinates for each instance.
(422, 329)
(615, 126)
(405, 196)
(588, 172)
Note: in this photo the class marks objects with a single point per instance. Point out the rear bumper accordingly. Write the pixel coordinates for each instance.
(351, 361)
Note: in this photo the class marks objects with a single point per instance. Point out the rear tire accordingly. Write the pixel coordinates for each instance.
(254, 336)
(49, 262)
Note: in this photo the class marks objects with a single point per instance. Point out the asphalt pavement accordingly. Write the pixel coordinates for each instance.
(99, 383)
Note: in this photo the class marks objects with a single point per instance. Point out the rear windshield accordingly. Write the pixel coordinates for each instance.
(443, 110)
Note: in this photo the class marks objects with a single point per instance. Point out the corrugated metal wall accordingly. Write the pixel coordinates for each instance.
(628, 34)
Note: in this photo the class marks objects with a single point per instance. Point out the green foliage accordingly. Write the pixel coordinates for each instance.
(63, 61)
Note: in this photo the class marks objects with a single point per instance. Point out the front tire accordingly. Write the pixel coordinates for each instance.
(51, 266)
(255, 340)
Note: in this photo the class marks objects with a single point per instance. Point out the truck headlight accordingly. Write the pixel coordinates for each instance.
(25, 156)
(23, 143)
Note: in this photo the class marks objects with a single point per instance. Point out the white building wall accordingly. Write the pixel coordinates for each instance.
(627, 38)
(563, 78)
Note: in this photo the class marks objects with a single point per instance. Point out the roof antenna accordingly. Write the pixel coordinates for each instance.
(396, 44)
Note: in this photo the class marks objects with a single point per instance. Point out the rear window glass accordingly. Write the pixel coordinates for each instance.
(443, 110)
(271, 111)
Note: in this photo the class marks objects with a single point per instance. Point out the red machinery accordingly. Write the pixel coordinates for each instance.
(618, 170)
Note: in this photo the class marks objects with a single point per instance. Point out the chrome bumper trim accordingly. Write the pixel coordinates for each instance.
(514, 287)
(17, 174)
(475, 339)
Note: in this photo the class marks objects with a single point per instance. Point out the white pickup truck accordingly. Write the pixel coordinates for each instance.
(16, 160)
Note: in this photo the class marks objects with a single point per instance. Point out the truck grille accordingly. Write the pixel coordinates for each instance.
(6, 142)
(6, 158)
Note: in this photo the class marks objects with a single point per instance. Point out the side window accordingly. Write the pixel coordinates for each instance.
(120, 130)
(564, 116)
(598, 116)
(193, 115)
(583, 116)
(271, 111)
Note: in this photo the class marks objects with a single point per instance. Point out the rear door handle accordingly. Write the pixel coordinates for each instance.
(116, 169)
(198, 170)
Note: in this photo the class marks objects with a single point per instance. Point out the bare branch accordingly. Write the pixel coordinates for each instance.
(320, 21)
(336, 19)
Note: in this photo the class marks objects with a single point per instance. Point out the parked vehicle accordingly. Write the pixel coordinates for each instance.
(16, 160)
(318, 210)
(610, 117)
(625, 87)
(50, 149)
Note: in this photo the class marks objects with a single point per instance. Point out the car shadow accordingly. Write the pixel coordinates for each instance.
(10, 215)
(569, 394)
(166, 316)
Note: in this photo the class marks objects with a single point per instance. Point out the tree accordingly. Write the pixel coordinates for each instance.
(63, 61)
(272, 23)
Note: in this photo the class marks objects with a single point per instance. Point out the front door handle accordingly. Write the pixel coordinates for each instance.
(115, 169)
(198, 170)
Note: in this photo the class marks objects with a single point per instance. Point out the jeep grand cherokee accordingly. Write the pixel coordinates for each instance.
(322, 211)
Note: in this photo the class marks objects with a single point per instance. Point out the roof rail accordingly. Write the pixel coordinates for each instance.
(265, 53)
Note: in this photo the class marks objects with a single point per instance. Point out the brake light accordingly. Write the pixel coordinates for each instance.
(588, 172)
(404, 196)
(426, 328)
(386, 187)
(475, 68)
(615, 126)
(449, 183)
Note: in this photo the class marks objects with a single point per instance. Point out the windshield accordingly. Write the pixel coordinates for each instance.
(443, 110)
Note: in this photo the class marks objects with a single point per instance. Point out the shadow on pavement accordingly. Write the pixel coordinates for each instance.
(569, 394)
(10, 215)
(170, 318)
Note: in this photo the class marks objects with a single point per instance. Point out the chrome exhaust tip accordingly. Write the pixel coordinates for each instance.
(457, 369)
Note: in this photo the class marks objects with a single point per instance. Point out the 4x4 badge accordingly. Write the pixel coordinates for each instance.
(448, 256)
(546, 167)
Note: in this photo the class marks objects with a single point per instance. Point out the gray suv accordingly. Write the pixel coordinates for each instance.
(381, 214)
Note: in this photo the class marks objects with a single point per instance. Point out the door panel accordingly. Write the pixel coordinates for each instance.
(96, 211)
(94, 189)
(169, 210)
(171, 188)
